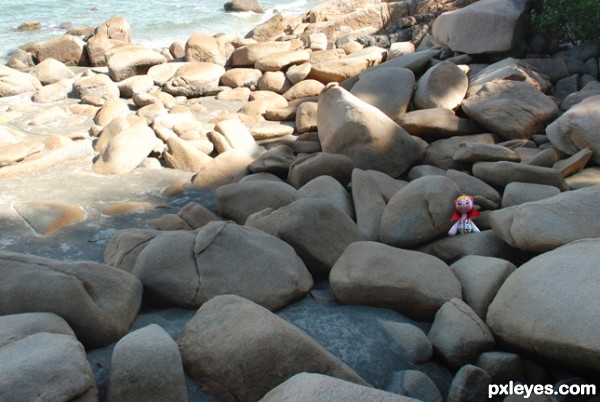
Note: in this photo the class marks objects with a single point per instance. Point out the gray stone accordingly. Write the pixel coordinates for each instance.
(307, 167)
(237, 201)
(442, 86)
(229, 331)
(488, 26)
(99, 302)
(318, 241)
(485, 195)
(575, 129)
(308, 387)
(354, 128)
(369, 204)
(419, 212)
(194, 79)
(480, 278)
(329, 189)
(530, 308)
(475, 152)
(510, 109)
(276, 160)
(485, 243)
(17, 326)
(437, 123)
(411, 339)
(516, 193)
(146, 365)
(458, 334)
(261, 267)
(500, 174)
(551, 222)
(46, 367)
(415, 384)
(440, 153)
(388, 89)
(503, 367)
(131, 61)
(370, 273)
(470, 384)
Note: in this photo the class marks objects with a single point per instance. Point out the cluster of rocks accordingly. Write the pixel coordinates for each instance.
(340, 163)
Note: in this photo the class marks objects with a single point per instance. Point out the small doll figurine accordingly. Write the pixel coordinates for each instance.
(465, 211)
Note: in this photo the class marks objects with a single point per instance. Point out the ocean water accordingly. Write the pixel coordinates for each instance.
(154, 23)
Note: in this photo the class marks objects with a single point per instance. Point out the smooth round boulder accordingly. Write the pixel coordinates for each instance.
(544, 306)
(510, 109)
(576, 129)
(201, 47)
(458, 335)
(99, 302)
(260, 267)
(388, 89)
(306, 168)
(237, 201)
(318, 241)
(126, 150)
(410, 282)
(308, 387)
(14, 82)
(194, 79)
(67, 49)
(419, 212)
(98, 85)
(132, 61)
(442, 86)
(146, 365)
(551, 222)
(350, 126)
(46, 367)
(230, 331)
(50, 71)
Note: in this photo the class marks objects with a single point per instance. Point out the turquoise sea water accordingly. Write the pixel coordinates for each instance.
(153, 22)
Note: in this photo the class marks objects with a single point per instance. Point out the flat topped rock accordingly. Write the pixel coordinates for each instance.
(48, 217)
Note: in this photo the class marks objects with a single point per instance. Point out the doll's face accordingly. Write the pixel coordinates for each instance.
(463, 204)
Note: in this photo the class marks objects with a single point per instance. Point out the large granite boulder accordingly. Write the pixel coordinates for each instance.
(442, 86)
(309, 387)
(14, 82)
(67, 49)
(419, 212)
(318, 230)
(388, 89)
(510, 109)
(551, 222)
(46, 367)
(205, 48)
(259, 267)
(413, 283)
(338, 70)
(126, 150)
(132, 60)
(486, 26)
(547, 308)
(458, 335)
(99, 302)
(194, 79)
(50, 71)
(237, 201)
(232, 332)
(577, 128)
(350, 126)
(146, 365)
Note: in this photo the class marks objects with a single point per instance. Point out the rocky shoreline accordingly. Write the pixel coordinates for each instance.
(265, 218)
